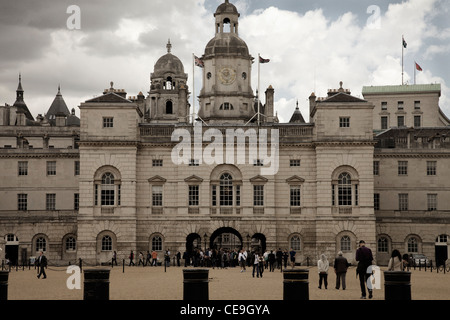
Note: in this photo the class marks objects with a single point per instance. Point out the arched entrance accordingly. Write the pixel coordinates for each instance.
(441, 249)
(226, 238)
(12, 249)
(258, 243)
(193, 241)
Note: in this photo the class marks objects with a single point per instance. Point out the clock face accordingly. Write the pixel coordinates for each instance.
(227, 75)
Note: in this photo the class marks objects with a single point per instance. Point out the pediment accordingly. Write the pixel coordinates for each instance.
(343, 97)
(295, 180)
(193, 179)
(157, 179)
(110, 97)
(258, 179)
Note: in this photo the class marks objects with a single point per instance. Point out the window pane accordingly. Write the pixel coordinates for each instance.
(70, 244)
(51, 168)
(295, 243)
(50, 201)
(106, 243)
(382, 245)
(157, 244)
(431, 168)
(345, 243)
(402, 168)
(258, 195)
(432, 202)
(107, 195)
(193, 195)
(23, 168)
(295, 196)
(344, 190)
(403, 202)
(226, 190)
(157, 196)
(413, 245)
(41, 244)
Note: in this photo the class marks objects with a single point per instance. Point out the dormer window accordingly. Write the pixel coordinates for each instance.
(226, 106)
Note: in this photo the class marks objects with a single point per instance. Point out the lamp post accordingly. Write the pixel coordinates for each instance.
(204, 237)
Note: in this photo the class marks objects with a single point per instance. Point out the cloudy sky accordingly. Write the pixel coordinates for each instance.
(312, 44)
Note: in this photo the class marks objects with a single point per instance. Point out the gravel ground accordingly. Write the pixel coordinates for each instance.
(154, 283)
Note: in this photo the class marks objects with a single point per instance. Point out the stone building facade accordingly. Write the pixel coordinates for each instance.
(134, 173)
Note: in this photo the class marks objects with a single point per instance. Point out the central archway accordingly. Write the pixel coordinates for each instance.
(226, 238)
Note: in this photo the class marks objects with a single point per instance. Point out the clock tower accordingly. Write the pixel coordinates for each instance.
(226, 95)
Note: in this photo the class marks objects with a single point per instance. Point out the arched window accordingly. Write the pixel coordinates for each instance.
(156, 243)
(226, 190)
(71, 244)
(169, 107)
(344, 189)
(106, 243)
(108, 188)
(226, 106)
(382, 245)
(169, 85)
(41, 244)
(413, 245)
(295, 243)
(345, 243)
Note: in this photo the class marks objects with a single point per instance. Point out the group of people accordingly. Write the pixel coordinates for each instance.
(150, 258)
(364, 268)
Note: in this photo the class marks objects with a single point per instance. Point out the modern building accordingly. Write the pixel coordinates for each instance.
(134, 173)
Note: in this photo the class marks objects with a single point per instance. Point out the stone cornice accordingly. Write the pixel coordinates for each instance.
(41, 154)
(106, 143)
(344, 143)
(411, 155)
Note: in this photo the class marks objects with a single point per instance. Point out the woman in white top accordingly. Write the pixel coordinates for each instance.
(256, 264)
(395, 263)
(322, 266)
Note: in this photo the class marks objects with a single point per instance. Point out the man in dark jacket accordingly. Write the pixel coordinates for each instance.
(364, 258)
(41, 263)
(340, 268)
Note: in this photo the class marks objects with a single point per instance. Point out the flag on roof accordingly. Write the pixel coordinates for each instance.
(418, 67)
(199, 62)
(404, 42)
(261, 60)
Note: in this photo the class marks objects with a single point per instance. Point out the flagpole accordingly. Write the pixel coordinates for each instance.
(402, 57)
(259, 83)
(193, 89)
(414, 72)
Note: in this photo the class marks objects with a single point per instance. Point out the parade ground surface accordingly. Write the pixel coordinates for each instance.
(156, 283)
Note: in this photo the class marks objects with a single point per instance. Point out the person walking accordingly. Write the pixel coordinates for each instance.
(148, 260)
(167, 258)
(255, 260)
(261, 265)
(340, 269)
(279, 255)
(285, 258)
(114, 258)
(396, 261)
(322, 267)
(266, 259)
(42, 264)
(242, 259)
(272, 261)
(364, 258)
(131, 257)
(178, 258)
(141, 259)
(292, 254)
(154, 258)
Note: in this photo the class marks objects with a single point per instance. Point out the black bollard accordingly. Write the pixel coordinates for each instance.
(397, 285)
(4, 285)
(296, 284)
(123, 266)
(96, 284)
(195, 284)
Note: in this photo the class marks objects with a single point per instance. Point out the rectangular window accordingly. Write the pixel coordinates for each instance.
(23, 168)
(384, 123)
(214, 196)
(51, 168)
(76, 201)
(77, 168)
(157, 163)
(383, 105)
(400, 121)
(400, 105)
(356, 195)
(295, 196)
(194, 163)
(193, 195)
(238, 196)
(376, 201)
(108, 122)
(22, 202)
(376, 168)
(96, 195)
(417, 121)
(431, 168)
(50, 201)
(107, 195)
(157, 196)
(294, 163)
(432, 202)
(403, 168)
(118, 195)
(344, 122)
(333, 197)
(417, 105)
(403, 201)
(258, 195)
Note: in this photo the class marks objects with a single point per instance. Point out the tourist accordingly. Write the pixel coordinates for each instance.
(255, 260)
(364, 258)
(266, 258)
(279, 255)
(167, 258)
(272, 261)
(154, 258)
(242, 259)
(396, 261)
(149, 258)
(114, 258)
(41, 263)
(292, 254)
(322, 267)
(131, 257)
(141, 259)
(178, 258)
(261, 265)
(340, 268)
(285, 258)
